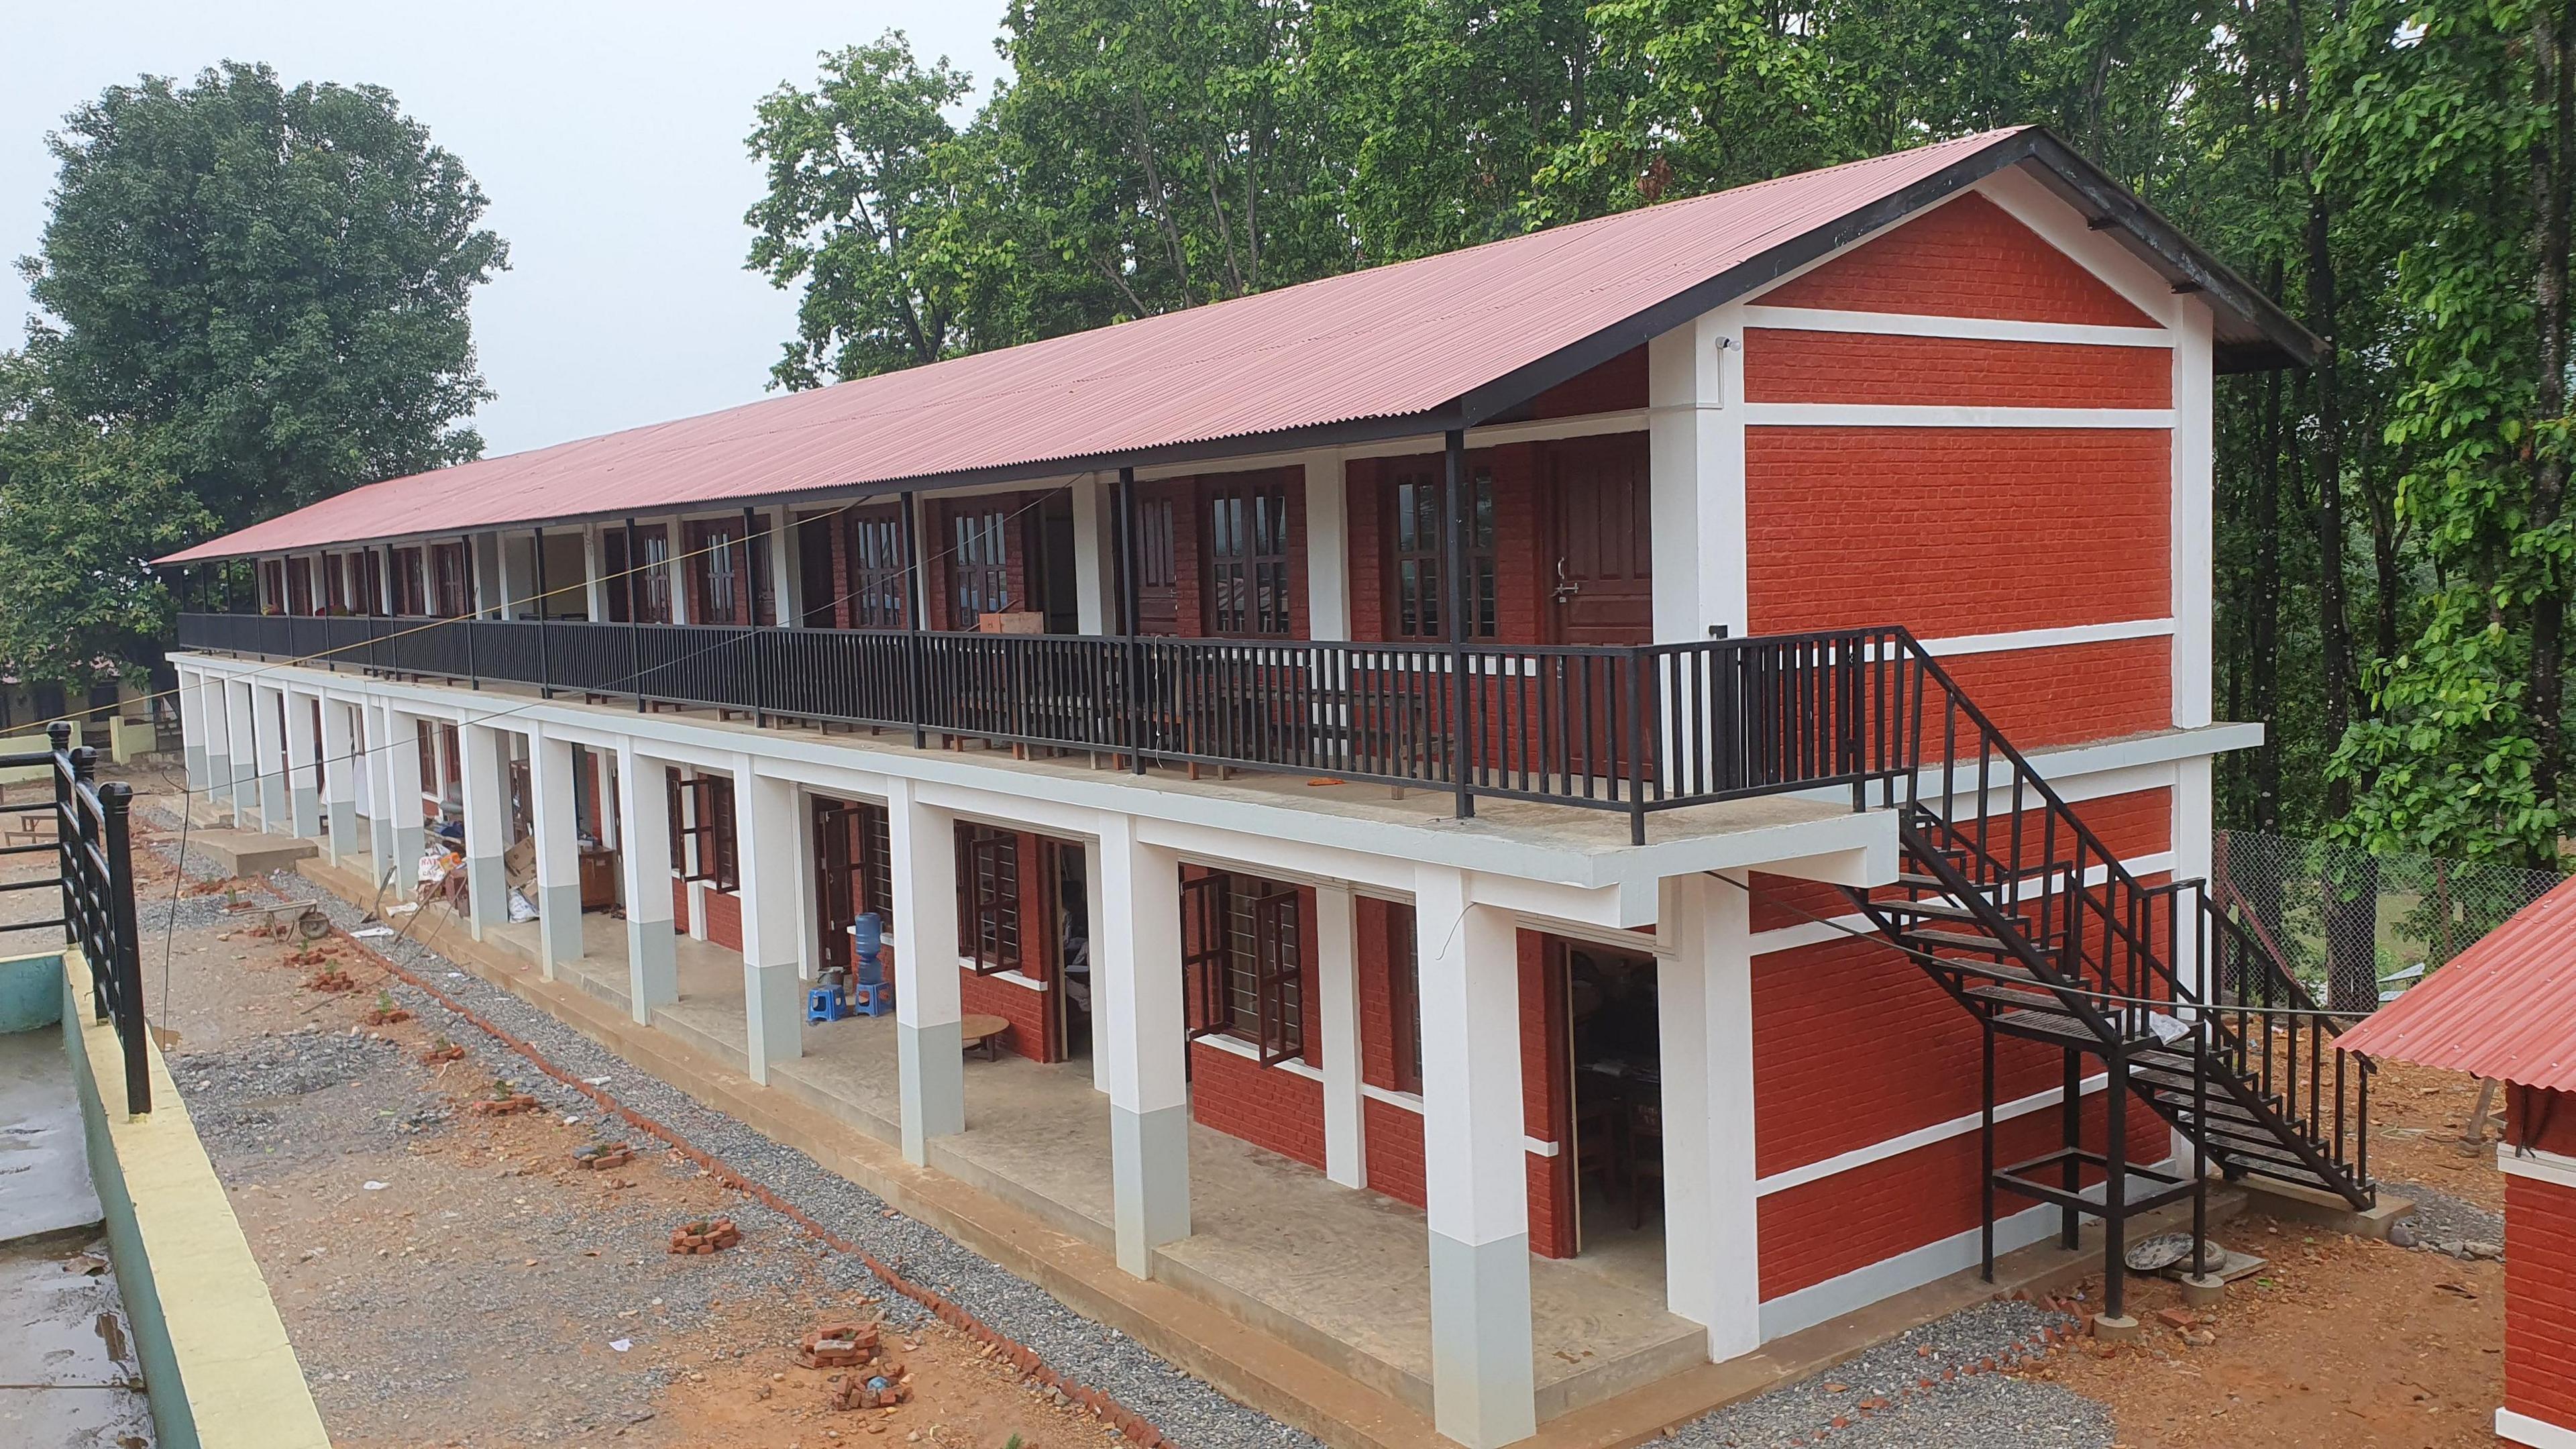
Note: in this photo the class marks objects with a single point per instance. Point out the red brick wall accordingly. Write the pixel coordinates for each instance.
(1837, 1224)
(2041, 697)
(2540, 1300)
(1618, 385)
(1026, 1010)
(1394, 1150)
(1966, 259)
(1266, 1106)
(1794, 365)
(1954, 531)
(1520, 535)
(724, 919)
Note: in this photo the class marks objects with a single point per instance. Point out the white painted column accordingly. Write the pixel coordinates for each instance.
(772, 986)
(1337, 1001)
(1140, 1025)
(214, 734)
(786, 581)
(2193, 517)
(1475, 1174)
(1328, 549)
(487, 818)
(241, 724)
(644, 833)
(554, 821)
(399, 820)
(268, 725)
(1095, 553)
(303, 782)
(929, 1043)
(192, 731)
(1096, 911)
(1695, 432)
(2195, 828)
(340, 764)
(594, 588)
(1704, 1004)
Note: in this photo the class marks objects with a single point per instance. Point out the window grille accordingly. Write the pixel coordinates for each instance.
(1248, 559)
(1418, 600)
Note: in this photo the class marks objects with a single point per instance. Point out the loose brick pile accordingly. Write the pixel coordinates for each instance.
(705, 1235)
(330, 978)
(444, 1051)
(502, 1101)
(873, 1381)
(603, 1154)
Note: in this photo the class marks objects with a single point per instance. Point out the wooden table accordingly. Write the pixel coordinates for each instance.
(984, 1033)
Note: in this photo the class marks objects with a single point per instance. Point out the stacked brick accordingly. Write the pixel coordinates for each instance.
(603, 1155)
(503, 1101)
(871, 1380)
(705, 1235)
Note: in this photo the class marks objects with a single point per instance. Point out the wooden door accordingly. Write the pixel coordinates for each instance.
(814, 572)
(836, 893)
(1158, 582)
(1601, 583)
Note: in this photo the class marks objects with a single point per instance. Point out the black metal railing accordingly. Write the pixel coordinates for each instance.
(1631, 729)
(2102, 943)
(94, 876)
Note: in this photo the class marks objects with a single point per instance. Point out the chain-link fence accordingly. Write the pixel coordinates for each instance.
(2351, 924)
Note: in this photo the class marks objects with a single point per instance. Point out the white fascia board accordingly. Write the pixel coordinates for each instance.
(2538, 1166)
(2537, 1433)
(2065, 765)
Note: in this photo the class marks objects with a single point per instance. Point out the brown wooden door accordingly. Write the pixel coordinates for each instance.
(1600, 584)
(836, 895)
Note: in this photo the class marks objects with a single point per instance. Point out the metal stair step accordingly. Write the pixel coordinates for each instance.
(1961, 941)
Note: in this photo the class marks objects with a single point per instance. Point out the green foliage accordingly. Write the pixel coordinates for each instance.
(254, 297)
(81, 508)
(273, 280)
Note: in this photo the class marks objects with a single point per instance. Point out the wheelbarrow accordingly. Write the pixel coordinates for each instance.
(299, 919)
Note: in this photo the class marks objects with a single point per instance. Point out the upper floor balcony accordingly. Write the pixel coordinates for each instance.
(1635, 730)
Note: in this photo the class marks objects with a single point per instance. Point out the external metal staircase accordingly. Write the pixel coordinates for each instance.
(2027, 919)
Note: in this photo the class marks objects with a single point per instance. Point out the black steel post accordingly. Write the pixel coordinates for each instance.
(545, 662)
(1460, 590)
(751, 618)
(1986, 1153)
(474, 614)
(58, 735)
(916, 622)
(1134, 724)
(2200, 1149)
(2115, 1182)
(634, 618)
(2070, 1116)
(115, 798)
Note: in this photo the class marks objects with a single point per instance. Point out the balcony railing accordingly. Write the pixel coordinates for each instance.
(1629, 729)
(94, 878)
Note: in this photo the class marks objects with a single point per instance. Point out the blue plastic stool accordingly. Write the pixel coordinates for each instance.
(824, 1003)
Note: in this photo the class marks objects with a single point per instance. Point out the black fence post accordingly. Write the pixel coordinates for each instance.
(1127, 624)
(66, 823)
(916, 620)
(115, 800)
(545, 664)
(751, 619)
(1457, 556)
(634, 617)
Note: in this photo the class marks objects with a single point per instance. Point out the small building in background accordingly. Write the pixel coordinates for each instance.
(2505, 1009)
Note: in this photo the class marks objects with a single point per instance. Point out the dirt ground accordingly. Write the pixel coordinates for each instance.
(2340, 1341)
(458, 1279)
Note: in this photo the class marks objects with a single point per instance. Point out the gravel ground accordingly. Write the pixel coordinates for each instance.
(1972, 1411)
(1186, 1410)
(2446, 1224)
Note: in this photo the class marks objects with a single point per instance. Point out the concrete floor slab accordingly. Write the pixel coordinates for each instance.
(44, 1158)
(68, 1379)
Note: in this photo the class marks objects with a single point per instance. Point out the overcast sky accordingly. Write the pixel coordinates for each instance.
(608, 137)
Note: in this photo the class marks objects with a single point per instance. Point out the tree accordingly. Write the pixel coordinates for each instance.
(865, 173)
(81, 509)
(272, 282)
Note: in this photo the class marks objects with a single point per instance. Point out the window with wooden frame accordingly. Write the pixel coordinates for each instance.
(1417, 602)
(1404, 999)
(676, 803)
(1242, 954)
(639, 575)
(411, 597)
(370, 567)
(880, 587)
(1247, 559)
(717, 592)
(335, 583)
(705, 847)
(427, 738)
(1157, 562)
(452, 585)
(979, 565)
(988, 898)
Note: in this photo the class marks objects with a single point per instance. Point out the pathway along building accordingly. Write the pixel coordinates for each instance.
(1429, 767)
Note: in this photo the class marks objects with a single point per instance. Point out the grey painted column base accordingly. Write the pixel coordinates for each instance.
(930, 1077)
(272, 806)
(652, 968)
(306, 803)
(340, 819)
(219, 779)
(773, 999)
(1149, 1181)
(1483, 1388)
(558, 925)
(380, 850)
(486, 894)
(408, 839)
(197, 776)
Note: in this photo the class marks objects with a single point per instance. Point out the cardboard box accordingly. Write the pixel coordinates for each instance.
(1016, 621)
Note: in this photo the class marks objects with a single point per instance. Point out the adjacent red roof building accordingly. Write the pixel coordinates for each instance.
(2504, 1008)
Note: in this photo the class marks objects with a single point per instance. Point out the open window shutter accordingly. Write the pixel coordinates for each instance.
(677, 803)
(1277, 997)
(835, 881)
(1204, 952)
(991, 877)
(720, 829)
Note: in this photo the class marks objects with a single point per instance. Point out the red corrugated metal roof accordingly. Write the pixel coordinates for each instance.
(2504, 1008)
(1403, 341)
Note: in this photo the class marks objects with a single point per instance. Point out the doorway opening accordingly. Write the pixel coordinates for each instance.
(1614, 1052)
(1069, 891)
